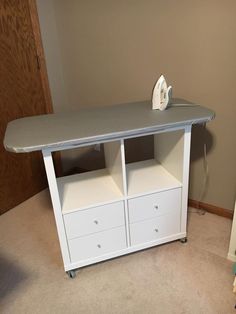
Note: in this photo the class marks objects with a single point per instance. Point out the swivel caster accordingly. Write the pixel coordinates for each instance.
(184, 240)
(71, 274)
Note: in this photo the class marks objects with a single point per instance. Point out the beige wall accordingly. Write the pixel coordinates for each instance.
(107, 52)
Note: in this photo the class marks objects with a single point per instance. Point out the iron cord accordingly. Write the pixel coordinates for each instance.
(202, 192)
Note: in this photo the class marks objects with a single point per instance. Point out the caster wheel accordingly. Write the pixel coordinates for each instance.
(184, 240)
(71, 274)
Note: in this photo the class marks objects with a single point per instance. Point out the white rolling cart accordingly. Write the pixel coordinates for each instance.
(124, 207)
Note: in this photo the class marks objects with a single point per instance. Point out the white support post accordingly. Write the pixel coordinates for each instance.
(52, 183)
(186, 160)
(125, 190)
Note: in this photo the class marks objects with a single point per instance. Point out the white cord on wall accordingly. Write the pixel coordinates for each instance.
(205, 178)
(205, 162)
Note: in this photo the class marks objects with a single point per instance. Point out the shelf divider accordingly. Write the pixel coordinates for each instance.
(113, 161)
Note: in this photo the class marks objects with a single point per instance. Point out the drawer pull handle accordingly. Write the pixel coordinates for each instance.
(99, 246)
(156, 207)
(156, 230)
(96, 222)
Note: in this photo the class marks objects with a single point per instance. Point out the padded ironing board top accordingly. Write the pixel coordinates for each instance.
(61, 130)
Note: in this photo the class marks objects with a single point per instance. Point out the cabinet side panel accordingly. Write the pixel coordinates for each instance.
(186, 159)
(169, 151)
(125, 191)
(47, 157)
(113, 159)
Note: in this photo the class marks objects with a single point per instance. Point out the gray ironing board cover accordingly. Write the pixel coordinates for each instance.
(61, 130)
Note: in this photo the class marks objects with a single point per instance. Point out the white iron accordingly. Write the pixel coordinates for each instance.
(161, 94)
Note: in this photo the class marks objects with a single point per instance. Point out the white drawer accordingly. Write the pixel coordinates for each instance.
(154, 205)
(153, 229)
(97, 244)
(94, 219)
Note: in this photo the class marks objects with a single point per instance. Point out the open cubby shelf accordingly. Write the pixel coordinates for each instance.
(149, 176)
(120, 180)
(87, 189)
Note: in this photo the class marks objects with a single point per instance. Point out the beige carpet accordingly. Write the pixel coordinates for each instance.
(173, 278)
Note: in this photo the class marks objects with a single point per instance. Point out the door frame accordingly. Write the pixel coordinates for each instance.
(40, 56)
(41, 61)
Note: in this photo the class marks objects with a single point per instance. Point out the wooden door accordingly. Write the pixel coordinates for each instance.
(24, 91)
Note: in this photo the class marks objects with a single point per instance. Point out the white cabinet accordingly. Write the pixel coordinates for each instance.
(132, 203)
(126, 206)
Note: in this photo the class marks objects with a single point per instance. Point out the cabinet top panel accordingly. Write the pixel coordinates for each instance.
(61, 130)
